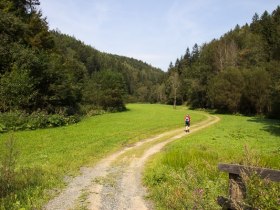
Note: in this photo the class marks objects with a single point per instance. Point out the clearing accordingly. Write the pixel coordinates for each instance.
(116, 182)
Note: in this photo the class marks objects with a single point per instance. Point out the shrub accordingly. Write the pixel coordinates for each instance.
(12, 120)
(17, 120)
(16, 182)
(261, 193)
(7, 168)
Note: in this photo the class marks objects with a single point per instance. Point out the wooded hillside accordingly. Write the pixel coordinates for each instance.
(47, 71)
(240, 72)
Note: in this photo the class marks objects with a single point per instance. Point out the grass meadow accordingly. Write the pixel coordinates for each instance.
(41, 160)
(185, 174)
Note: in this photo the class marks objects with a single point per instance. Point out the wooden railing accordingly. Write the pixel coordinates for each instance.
(237, 190)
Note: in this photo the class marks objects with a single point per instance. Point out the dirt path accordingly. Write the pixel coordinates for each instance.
(115, 182)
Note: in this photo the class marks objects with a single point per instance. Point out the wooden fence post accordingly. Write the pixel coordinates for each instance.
(237, 189)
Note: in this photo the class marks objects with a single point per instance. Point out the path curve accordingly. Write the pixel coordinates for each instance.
(115, 181)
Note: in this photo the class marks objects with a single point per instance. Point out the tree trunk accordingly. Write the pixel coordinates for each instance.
(175, 99)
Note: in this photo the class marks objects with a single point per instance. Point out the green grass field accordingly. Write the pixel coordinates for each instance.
(51, 154)
(184, 172)
(185, 175)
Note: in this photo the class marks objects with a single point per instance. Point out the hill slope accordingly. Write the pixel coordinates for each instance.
(55, 73)
(239, 72)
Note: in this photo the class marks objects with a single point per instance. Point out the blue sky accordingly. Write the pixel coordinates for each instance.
(154, 31)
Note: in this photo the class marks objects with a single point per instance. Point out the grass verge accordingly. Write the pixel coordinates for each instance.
(185, 175)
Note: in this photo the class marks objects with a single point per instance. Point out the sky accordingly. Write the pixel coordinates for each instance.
(154, 31)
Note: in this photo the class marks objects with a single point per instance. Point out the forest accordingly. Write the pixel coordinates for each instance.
(237, 73)
(48, 78)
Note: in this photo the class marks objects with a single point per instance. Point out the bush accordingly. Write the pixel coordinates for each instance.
(90, 110)
(22, 121)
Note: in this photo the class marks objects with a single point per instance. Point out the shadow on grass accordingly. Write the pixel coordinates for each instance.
(269, 125)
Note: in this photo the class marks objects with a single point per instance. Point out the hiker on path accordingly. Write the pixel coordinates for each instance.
(187, 122)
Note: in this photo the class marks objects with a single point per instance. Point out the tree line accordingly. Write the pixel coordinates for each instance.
(44, 71)
(47, 76)
(237, 73)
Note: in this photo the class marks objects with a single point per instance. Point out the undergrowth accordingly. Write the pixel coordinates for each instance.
(16, 120)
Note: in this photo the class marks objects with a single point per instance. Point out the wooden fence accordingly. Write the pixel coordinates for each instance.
(237, 190)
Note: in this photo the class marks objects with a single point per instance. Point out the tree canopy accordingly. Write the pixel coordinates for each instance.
(56, 73)
(43, 70)
(239, 72)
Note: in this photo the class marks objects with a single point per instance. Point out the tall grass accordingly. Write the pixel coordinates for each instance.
(185, 175)
(56, 153)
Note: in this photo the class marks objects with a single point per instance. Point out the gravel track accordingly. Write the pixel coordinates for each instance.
(115, 182)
